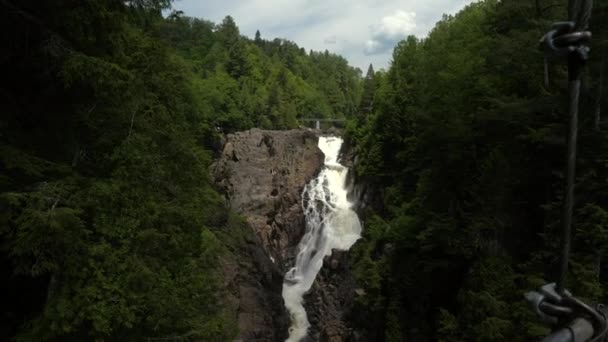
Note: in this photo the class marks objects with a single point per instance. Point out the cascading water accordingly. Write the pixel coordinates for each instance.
(331, 224)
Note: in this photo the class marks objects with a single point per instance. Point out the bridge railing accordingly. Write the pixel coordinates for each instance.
(318, 121)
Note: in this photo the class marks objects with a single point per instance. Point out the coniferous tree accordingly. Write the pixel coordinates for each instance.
(464, 152)
(258, 38)
(367, 97)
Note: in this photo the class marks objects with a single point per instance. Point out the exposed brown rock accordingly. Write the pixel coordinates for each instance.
(262, 174)
(330, 300)
(254, 293)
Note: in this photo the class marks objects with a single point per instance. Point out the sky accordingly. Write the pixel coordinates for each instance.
(363, 31)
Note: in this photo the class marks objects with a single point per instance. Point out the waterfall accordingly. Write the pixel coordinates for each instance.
(331, 223)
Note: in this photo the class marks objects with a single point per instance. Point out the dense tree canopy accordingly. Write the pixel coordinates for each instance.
(111, 112)
(259, 83)
(111, 228)
(466, 146)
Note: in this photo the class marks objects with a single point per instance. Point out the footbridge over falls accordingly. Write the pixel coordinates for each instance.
(318, 121)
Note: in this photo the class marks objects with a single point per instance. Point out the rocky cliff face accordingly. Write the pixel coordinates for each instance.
(262, 174)
(330, 301)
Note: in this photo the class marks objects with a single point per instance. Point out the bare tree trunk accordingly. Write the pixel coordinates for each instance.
(76, 157)
(132, 121)
(52, 288)
(598, 103)
(598, 263)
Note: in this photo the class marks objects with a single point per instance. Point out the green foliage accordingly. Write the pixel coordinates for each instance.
(109, 218)
(108, 212)
(247, 83)
(463, 148)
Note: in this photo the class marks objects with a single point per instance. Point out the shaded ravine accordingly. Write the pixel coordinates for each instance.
(331, 223)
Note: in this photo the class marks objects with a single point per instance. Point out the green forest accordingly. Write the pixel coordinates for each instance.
(112, 111)
(464, 145)
(111, 115)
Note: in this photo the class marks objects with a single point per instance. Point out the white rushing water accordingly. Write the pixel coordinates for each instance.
(331, 224)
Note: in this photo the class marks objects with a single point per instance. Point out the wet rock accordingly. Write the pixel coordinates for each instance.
(334, 331)
(331, 299)
(262, 174)
(254, 285)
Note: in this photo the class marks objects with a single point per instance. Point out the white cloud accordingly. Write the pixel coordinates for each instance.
(398, 24)
(363, 31)
(392, 29)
